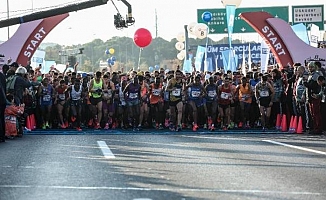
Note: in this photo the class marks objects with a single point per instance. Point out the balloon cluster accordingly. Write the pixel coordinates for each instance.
(109, 51)
(151, 68)
(180, 46)
(200, 30)
(112, 59)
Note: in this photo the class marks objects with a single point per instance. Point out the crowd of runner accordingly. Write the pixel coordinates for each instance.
(164, 99)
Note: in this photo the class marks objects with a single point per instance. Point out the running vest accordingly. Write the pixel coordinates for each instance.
(155, 95)
(263, 91)
(61, 93)
(133, 92)
(97, 86)
(194, 92)
(225, 95)
(176, 94)
(46, 99)
(245, 93)
(211, 92)
(76, 95)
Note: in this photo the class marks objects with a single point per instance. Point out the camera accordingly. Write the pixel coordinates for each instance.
(120, 22)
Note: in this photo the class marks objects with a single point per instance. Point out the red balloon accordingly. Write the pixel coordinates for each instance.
(142, 37)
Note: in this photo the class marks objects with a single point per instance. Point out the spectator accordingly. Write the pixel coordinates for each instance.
(2, 106)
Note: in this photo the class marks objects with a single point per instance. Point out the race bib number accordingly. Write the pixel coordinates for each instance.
(264, 93)
(47, 97)
(245, 96)
(133, 95)
(225, 95)
(62, 96)
(107, 94)
(176, 92)
(212, 94)
(195, 93)
(156, 92)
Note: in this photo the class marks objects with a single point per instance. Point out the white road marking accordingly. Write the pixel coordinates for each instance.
(168, 189)
(295, 147)
(142, 199)
(105, 149)
(216, 138)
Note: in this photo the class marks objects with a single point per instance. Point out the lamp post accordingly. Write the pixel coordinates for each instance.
(8, 16)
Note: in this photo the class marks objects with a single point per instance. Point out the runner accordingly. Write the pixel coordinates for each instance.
(211, 102)
(245, 97)
(225, 99)
(176, 87)
(264, 93)
(132, 95)
(75, 96)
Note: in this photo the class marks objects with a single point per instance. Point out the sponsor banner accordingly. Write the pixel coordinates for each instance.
(314, 35)
(264, 56)
(215, 53)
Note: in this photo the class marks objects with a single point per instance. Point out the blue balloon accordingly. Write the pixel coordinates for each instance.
(108, 60)
(107, 52)
(207, 16)
(113, 58)
(150, 69)
(157, 67)
(112, 62)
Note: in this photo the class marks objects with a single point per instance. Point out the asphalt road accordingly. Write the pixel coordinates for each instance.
(183, 166)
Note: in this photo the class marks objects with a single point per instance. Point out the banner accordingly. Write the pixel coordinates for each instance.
(249, 59)
(230, 12)
(264, 56)
(230, 60)
(199, 57)
(314, 35)
(243, 67)
(215, 53)
(301, 31)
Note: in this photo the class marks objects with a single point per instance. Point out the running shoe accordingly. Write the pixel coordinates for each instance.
(166, 123)
(106, 126)
(73, 118)
(97, 126)
(195, 127)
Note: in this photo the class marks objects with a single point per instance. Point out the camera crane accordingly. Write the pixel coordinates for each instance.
(119, 21)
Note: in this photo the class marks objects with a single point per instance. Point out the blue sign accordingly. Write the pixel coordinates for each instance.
(214, 52)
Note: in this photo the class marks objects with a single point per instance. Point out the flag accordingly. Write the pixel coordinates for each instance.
(243, 67)
(199, 57)
(301, 31)
(230, 12)
(249, 58)
(230, 60)
(187, 68)
(264, 56)
(314, 35)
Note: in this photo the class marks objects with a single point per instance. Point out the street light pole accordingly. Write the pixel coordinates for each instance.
(8, 16)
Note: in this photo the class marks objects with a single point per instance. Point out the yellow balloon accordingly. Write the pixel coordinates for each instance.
(111, 51)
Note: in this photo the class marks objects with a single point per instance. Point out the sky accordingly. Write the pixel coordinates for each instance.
(97, 22)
